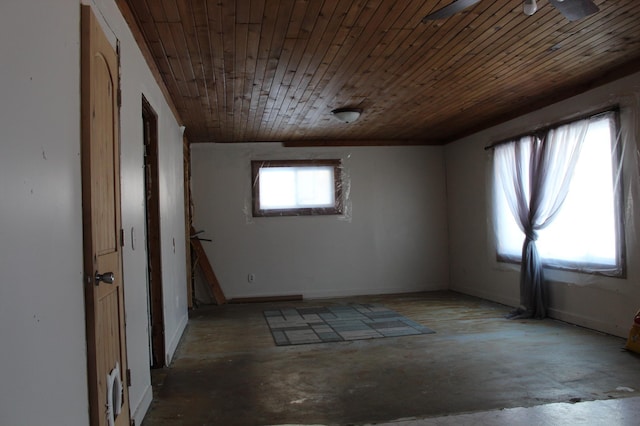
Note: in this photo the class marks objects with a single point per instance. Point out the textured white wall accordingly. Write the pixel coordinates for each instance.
(605, 304)
(42, 335)
(395, 239)
(43, 352)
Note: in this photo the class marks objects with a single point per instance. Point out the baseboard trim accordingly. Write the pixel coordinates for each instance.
(587, 322)
(143, 405)
(554, 313)
(262, 299)
(172, 345)
(508, 301)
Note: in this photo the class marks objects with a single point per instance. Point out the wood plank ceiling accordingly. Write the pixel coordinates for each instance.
(272, 70)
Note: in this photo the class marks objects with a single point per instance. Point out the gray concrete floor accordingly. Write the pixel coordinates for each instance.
(227, 370)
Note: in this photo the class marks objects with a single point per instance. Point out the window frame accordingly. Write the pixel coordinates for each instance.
(336, 209)
(620, 269)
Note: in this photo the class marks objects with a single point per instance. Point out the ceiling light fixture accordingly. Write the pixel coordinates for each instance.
(530, 7)
(346, 115)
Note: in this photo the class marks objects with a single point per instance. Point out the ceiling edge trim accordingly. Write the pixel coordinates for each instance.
(361, 142)
(624, 70)
(132, 23)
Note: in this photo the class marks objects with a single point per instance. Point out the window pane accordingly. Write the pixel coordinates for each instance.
(585, 229)
(293, 187)
(509, 236)
(277, 187)
(315, 187)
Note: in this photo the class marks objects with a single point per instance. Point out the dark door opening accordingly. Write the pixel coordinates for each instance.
(152, 209)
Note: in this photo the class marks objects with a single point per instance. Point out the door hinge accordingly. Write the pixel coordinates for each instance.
(128, 377)
(121, 237)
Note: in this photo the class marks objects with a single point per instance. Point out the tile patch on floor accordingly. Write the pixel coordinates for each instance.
(299, 326)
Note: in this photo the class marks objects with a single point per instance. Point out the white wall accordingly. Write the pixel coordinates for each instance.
(605, 304)
(43, 349)
(42, 333)
(393, 240)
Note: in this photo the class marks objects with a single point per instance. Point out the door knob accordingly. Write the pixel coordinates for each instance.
(107, 277)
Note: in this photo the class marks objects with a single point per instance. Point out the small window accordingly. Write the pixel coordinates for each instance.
(296, 187)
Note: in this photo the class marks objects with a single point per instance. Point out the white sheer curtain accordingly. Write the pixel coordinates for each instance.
(535, 173)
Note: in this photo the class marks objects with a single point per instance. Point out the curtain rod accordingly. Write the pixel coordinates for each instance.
(545, 129)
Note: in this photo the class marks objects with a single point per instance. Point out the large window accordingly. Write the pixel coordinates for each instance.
(296, 187)
(586, 232)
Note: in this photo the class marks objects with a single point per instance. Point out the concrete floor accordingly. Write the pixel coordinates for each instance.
(228, 371)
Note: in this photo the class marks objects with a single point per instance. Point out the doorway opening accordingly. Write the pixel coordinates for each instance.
(152, 212)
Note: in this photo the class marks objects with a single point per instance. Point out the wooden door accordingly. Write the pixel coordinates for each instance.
(104, 298)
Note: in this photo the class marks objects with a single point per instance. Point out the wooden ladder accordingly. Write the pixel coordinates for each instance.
(210, 276)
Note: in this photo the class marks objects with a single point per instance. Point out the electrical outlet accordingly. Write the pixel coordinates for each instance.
(251, 278)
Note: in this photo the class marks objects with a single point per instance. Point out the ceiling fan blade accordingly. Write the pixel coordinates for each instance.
(449, 10)
(575, 9)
